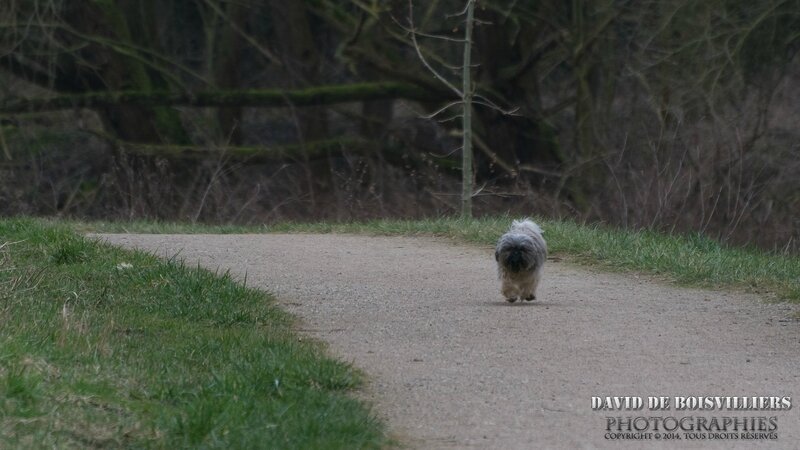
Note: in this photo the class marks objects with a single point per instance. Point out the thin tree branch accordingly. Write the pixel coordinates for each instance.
(261, 49)
(442, 109)
(422, 57)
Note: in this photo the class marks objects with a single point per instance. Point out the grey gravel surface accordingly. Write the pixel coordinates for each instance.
(452, 365)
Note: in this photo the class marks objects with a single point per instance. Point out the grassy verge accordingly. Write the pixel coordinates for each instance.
(692, 260)
(101, 347)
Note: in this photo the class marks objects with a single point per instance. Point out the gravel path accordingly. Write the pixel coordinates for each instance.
(452, 365)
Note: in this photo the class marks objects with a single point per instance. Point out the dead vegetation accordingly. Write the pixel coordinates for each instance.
(678, 115)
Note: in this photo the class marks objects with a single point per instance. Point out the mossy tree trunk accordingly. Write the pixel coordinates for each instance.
(593, 50)
(303, 66)
(108, 54)
(302, 60)
(307, 97)
(229, 52)
(376, 114)
(509, 71)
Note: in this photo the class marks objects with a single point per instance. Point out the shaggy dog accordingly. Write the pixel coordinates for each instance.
(520, 255)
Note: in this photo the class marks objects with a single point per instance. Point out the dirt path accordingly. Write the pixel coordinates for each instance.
(453, 365)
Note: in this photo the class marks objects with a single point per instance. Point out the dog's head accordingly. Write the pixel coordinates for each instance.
(516, 252)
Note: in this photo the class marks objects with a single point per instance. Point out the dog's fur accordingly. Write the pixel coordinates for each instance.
(520, 256)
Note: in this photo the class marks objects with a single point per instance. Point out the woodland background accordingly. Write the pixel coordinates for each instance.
(676, 115)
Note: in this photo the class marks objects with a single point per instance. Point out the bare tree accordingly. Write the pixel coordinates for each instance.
(466, 94)
(466, 146)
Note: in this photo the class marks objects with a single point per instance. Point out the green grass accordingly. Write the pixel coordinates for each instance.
(101, 347)
(686, 259)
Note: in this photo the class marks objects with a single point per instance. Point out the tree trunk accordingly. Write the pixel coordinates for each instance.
(301, 60)
(117, 70)
(229, 56)
(466, 149)
(508, 71)
(308, 97)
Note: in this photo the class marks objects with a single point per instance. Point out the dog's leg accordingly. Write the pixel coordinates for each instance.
(529, 292)
(509, 291)
(531, 289)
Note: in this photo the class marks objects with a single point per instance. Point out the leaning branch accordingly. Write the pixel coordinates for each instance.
(313, 96)
(253, 154)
